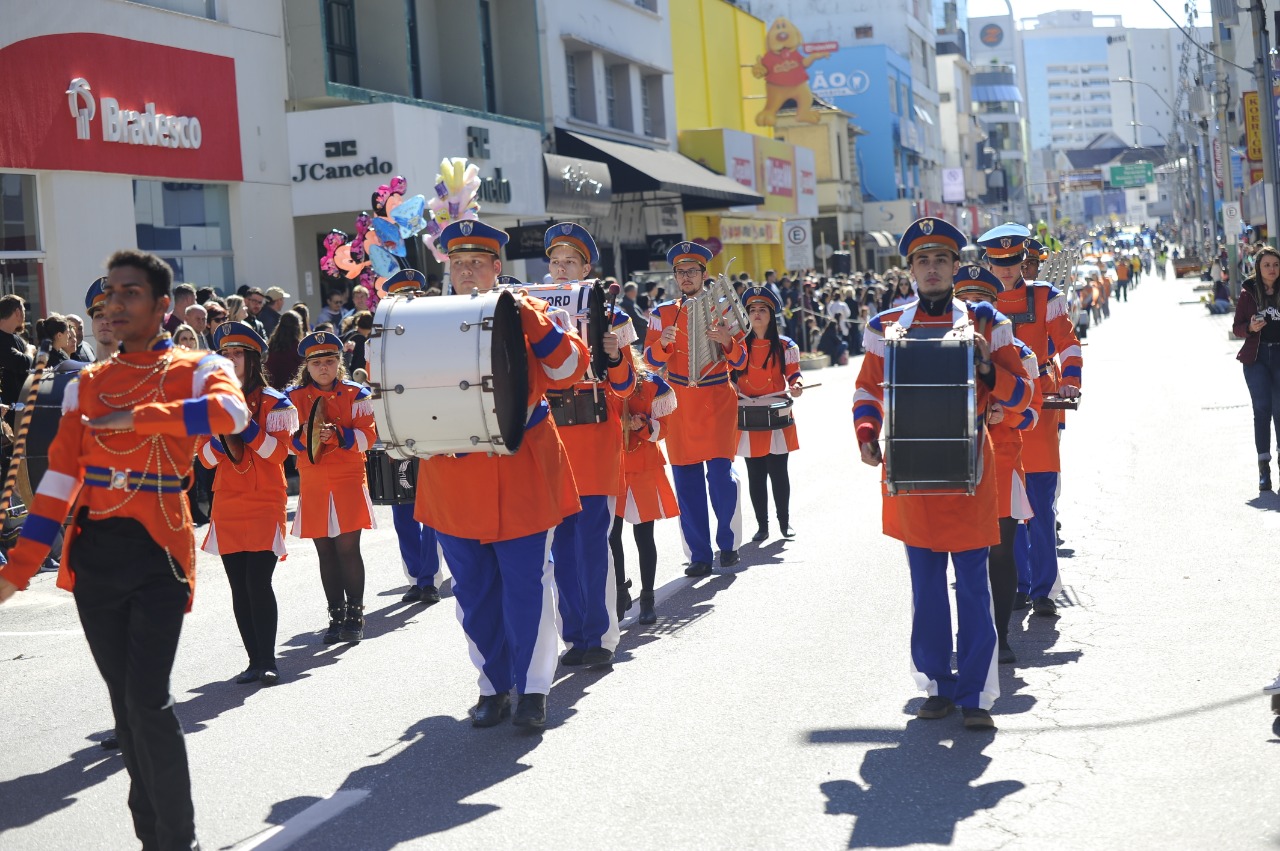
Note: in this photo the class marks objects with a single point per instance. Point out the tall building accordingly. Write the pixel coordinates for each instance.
(155, 125)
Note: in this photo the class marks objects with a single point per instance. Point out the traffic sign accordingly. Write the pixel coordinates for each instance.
(1132, 175)
(1232, 221)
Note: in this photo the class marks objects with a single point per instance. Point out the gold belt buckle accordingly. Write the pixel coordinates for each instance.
(119, 478)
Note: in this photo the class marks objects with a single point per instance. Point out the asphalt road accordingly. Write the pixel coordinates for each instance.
(771, 706)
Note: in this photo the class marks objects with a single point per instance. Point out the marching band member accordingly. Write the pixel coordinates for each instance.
(247, 525)
(419, 549)
(703, 434)
(933, 526)
(772, 371)
(493, 513)
(1040, 319)
(125, 441)
(333, 497)
(104, 336)
(588, 418)
(648, 493)
(976, 284)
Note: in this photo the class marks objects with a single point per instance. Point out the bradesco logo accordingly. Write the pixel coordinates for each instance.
(129, 126)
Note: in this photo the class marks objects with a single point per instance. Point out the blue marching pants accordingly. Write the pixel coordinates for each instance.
(691, 495)
(976, 685)
(1022, 558)
(1042, 535)
(417, 546)
(506, 604)
(587, 590)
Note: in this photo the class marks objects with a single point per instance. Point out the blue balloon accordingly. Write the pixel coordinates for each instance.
(410, 215)
(384, 262)
(389, 236)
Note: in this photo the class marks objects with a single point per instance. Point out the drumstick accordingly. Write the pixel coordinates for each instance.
(20, 439)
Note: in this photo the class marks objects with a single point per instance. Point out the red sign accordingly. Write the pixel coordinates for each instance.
(742, 169)
(821, 47)
(779, 178)
(89, 102)
(1217, 161)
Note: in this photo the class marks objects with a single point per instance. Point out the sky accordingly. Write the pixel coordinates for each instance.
(1141, 14)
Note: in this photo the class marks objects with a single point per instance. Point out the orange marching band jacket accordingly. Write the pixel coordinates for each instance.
(944, 523)
(648, 491)
(491, 498)
(707, 425)
(333, 497)
(175, 396)
(758, 381)
(1006, 437)
(249, 514)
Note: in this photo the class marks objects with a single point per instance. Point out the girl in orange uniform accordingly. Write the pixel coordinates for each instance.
(772, 370)
(648, 496)
(333, 501)
(247, 526)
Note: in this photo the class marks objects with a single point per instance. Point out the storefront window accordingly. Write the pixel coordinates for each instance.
(21, 260)
(189, 225)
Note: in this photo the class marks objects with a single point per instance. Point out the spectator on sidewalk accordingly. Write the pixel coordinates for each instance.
(1257, 322)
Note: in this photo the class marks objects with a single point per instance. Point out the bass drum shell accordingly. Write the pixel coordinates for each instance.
(44, 418)
(451, 374)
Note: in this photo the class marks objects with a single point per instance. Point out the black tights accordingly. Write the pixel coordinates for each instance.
(254, 604)
(643, 533)
(759, 472)
(341, 569)
(1003, 571)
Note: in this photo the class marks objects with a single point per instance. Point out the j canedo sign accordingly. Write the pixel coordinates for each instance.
(89, 102)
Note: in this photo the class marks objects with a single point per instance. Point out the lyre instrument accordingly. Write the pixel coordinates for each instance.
(717, 302)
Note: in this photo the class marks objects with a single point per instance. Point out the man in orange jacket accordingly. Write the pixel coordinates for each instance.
(492, 513)
(125, 442)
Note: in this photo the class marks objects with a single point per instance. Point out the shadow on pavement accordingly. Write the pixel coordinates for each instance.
(1268, 501)
(917, 791)
(30, 798)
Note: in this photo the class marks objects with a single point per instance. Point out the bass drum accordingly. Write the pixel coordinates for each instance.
(44, 417)
(450, 374)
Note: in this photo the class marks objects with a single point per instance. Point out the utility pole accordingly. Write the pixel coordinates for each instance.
(1267, 101)
(1224, 48)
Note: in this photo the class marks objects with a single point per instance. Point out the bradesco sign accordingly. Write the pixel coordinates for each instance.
(87, 102)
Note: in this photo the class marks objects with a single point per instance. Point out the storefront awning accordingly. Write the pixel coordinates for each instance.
(884, 239)
(637, 169)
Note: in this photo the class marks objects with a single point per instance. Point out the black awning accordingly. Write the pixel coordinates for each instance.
(637, 169)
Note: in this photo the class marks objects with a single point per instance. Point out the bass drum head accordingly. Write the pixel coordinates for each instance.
(510, 364)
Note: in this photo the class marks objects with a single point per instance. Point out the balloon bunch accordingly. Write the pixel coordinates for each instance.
(372, 254)
(456, 188)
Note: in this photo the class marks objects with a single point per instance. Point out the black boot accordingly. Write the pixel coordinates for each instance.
(352, 624)
(647, 614)
(1264, 475)
(624, 599)
(335, 625)
(784, 523)
(762, 534)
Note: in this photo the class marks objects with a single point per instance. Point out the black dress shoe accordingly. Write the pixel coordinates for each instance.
(269, 677)
(573, 657)
(1006, 656)
(935, 707)
(647, 613)
(762, 534)
(531, 711)
(788, 531)
(977, 719)
(1021, 601)
(1264, 476)
(413, 595)
(490, 709)
(698, 568)
(250, 675)
(430, 595)
(110, 743)
(597, 656)
(1044, 606)
(728, 558)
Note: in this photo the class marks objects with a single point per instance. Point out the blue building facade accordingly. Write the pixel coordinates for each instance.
(873, 83)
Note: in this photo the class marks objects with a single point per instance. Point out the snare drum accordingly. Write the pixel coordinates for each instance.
(392, 481)
(933, 439)
(764, 415)
(449, 374)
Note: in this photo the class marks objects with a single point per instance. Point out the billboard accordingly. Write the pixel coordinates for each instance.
(953, 186)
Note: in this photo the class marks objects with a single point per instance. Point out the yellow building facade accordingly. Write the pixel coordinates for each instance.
(714, 46)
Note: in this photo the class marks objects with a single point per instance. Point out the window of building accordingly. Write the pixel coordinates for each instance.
(571, 80)
(864, 32)
(652, 105)
(21, 259)
(340, 41)
(197, 8)
(189, 225)
(646, 110)
(486, 56)
(651, 5)
(610, 97)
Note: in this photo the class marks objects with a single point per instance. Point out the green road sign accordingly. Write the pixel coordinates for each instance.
(1131, 175)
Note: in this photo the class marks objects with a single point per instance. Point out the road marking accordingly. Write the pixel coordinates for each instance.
(284, 835)
(44, 632)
